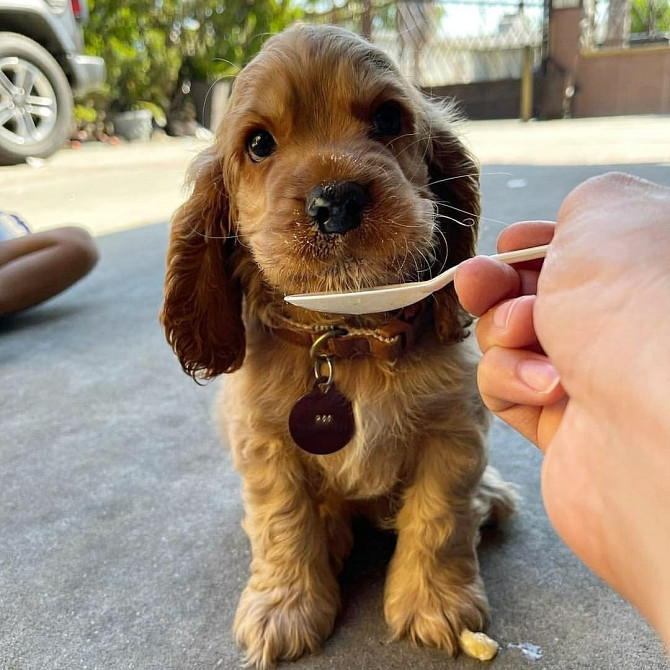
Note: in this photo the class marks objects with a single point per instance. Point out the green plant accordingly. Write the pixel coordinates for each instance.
(650, 16)
(85, 114)
(156, 111)
(149, 46)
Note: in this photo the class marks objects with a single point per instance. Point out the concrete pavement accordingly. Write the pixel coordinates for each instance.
(111, 188)
(102, 187)
(120, 538)
(616, 140)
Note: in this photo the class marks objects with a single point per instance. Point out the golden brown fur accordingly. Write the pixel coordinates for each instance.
(417, 462)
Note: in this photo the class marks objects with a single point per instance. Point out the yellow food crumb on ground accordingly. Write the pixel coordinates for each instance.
(478, 645)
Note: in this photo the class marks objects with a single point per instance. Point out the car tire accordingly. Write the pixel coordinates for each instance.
(37, 119)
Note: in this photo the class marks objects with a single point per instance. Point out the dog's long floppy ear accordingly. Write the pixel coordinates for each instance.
(454, 181)
(202, 308)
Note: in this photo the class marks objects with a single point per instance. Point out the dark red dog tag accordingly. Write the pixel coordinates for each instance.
(322, 421)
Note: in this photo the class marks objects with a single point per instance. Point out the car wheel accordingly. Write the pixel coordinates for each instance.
(35, 101)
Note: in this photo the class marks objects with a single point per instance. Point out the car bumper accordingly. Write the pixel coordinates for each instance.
(88, 73)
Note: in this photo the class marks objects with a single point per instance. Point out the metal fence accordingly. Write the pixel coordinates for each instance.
(441, 42)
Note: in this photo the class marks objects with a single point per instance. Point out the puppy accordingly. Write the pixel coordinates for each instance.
(330, 172)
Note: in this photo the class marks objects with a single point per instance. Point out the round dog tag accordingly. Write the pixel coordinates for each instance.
(322, 421)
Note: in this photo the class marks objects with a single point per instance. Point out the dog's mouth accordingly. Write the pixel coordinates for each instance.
(387, 247)
(348, 262)
(347, 236)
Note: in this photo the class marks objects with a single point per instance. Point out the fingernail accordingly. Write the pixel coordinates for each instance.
(539, 375)
(503, 313)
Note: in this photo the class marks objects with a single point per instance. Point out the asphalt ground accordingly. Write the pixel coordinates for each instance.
(111, 188)
(120, 538)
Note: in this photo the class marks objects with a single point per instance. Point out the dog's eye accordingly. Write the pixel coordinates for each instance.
(387, 119)
(260, 145)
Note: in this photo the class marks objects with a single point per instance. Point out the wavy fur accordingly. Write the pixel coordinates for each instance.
(417, 462)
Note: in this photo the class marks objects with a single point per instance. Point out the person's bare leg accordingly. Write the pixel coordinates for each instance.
(37, 267)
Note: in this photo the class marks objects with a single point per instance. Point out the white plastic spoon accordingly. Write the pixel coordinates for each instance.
(387, 298)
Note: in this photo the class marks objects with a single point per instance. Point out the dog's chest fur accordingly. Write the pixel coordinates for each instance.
(396, 405)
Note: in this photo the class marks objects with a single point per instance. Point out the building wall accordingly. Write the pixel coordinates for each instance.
(483, 99)
(606, 82)
(564, 36)
(625, 81)
(609, 82)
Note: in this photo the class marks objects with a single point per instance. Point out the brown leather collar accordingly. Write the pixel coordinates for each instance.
(387, 342)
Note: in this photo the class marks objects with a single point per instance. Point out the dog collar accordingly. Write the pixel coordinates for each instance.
(387, 342)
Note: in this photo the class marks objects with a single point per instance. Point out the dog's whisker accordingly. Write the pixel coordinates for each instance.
(467, 176)
(234, 66)
(207, 236)
(466, 223)
(401, 137)
(437, 182)
(473, 216)
(418, 140)
(419, 163)
(430, 138)
(445, 245)
(402, 263)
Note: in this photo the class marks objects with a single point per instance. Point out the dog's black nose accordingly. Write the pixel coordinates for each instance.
(337, 207)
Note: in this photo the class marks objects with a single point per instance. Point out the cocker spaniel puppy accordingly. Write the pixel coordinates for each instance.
(330, 172)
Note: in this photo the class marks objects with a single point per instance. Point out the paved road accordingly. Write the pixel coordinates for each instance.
(108, 188)
(120, 543)
(102, 187)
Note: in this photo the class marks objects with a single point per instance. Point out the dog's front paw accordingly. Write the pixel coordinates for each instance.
(433, 612)
(284, 622)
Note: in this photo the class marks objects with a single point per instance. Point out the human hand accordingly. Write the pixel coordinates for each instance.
(597, 318)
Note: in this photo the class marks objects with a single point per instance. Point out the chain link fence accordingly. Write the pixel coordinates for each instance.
(443, 42)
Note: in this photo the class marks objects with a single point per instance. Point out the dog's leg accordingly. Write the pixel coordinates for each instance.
(433, 588)
(289, 604)
(496, 499)
(336, 515)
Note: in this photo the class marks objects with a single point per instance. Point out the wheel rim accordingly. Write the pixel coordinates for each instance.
(28, 107)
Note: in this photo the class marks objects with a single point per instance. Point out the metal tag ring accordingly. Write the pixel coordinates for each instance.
(318, 343)
(318, 363)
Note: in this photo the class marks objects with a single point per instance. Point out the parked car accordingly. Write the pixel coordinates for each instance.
(42, 65)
